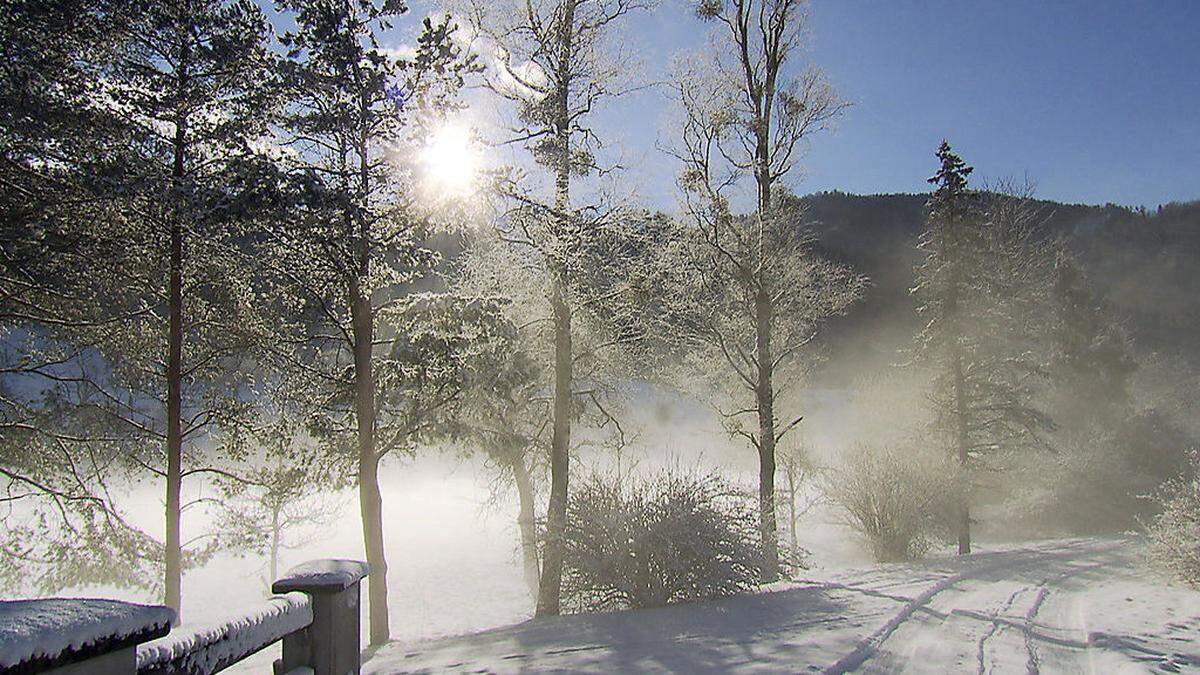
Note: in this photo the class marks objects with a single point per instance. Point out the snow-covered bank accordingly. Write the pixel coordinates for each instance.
(1065, 606)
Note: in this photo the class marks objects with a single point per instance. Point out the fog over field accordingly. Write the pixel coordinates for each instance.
(600, 335)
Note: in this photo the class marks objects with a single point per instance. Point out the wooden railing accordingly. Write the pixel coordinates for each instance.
(315, 612)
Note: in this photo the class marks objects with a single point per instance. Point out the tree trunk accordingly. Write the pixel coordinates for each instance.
(763, 324)
(791, 479)
(550, 584)
(560, 445)
(765, 403)
(961, 443)
(952, 254)
(527, 525)
(369, 497)
(173, 553)
(274, 564)
(362, 316)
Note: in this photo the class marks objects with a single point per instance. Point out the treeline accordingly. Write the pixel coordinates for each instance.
(1137, 260)
(1067, 402)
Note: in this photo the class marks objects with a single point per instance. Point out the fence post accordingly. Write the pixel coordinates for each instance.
(330, 646)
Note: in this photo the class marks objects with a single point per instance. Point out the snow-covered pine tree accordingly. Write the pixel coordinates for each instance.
(1092, 362)
(171, 103)
(982, 296)
(52, 139)
(341, 258)
(508, 416)
(1110, 455)
(191, 80)
(506, 409)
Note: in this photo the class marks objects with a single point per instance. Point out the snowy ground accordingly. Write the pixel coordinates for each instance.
(1062, 607)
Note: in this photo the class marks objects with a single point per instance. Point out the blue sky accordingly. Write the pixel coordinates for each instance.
(1093, 100)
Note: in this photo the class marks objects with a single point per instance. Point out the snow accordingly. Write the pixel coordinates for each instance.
(1084, 605)
(46, 628)
(206, 647)
(331, 575)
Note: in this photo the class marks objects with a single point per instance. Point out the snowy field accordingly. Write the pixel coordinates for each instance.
(1067, 606)
(1070, 606)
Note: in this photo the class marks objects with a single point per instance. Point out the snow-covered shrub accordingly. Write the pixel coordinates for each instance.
(1174, 534)
(648, 542)
(898, 500)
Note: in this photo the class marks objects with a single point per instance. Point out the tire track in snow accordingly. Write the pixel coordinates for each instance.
(1032, 664)
(1032, 661)
(982, 651)
(869, 646)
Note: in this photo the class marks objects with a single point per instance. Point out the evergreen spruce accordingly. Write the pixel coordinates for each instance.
(354, 234)
(981, 293)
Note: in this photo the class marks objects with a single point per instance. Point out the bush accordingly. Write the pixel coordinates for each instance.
(674, 537)
(1174, 534)
(899, 501)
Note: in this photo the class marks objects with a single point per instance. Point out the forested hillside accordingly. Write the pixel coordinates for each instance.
(1142, 262)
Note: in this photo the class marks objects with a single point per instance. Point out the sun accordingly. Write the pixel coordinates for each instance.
(450, 161)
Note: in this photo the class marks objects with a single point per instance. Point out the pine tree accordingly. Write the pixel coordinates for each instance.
(354, 236)
(190, 77)
(170, 106)
(509, 417)
(1092, 363)
(52, 139)
(1099, 471)
(981, 291)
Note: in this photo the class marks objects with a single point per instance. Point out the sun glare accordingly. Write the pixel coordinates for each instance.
(450, 161)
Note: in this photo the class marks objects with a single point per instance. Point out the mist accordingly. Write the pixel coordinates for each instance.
(359, 337)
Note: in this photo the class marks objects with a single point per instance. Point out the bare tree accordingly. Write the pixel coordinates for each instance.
(746, 114)
(556, 61)
(798, 498)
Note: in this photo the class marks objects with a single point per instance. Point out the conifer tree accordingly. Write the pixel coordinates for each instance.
(168, 109)
(1092, 364)
(52, 139)
(354, 236)
(982, 293)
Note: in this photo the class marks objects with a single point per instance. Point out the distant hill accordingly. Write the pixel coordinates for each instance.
(1147, 263)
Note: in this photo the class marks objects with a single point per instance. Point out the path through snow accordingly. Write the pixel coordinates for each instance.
(1057, 607)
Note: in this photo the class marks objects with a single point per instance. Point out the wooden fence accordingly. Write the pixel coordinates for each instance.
(315, 612)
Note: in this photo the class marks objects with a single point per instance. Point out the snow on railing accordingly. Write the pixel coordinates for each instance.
(215, 646)
(315, 614)
(40, 635)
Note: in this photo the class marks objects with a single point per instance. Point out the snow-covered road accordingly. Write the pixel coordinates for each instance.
(1055, 607)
